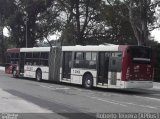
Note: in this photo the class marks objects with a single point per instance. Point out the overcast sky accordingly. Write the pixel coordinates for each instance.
(156, 34)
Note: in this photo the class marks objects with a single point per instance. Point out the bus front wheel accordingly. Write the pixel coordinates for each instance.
(88, 81)
(39, 75)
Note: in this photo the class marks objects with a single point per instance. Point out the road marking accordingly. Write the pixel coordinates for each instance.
(146, 106)
(54, 88)
(103, 100)
(124, 104)
(148, 98)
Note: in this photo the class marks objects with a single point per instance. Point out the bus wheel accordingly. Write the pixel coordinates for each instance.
(39, 75)
(14, 73)
(88, 81)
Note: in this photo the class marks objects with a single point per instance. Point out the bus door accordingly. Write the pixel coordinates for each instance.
(115, 62)
(66, 65)
(103, 64)
(21, 62)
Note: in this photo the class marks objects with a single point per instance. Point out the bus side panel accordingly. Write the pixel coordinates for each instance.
(77, 75)
(30, 71)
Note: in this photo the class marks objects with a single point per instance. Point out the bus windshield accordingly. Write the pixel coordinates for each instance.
(141, 54)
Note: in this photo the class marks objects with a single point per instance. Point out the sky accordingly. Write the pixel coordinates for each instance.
(156, 34)
(5, 32)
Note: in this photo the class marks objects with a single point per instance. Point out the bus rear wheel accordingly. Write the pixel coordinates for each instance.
(88, 81)
(39, 75)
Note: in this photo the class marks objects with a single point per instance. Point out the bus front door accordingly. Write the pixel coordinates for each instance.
(66, 66)
(103, 64)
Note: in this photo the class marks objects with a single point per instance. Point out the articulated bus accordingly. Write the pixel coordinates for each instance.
(106, 66)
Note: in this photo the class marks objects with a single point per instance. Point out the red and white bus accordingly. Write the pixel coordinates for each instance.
(106, 66)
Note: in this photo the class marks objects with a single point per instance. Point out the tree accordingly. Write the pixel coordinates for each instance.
(80, 19)
(31, 21)
(116, 20)
(140, 15)
(6, 9)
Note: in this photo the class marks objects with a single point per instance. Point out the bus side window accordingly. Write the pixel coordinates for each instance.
(113, 62)
(28, 60)
(12, 58)
(44, 58)
(90, 60)
(79, 60)
(36, 56)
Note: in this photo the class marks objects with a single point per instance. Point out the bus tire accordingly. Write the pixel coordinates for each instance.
(88, 81)
(39, 75)
(14, 73)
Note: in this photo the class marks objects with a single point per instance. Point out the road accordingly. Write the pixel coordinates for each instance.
(46, 100)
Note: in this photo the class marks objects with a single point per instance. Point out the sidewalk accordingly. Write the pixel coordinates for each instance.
(13, 104)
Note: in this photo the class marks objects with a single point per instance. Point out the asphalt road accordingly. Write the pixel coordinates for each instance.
(47, 100)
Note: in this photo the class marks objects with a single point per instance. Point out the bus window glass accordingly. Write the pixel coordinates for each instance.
(14, 58)
(90, 60)
(140, 54)
(16, 55)
(36, 55)
(79, 56)
(94, 56)
(44, 55)
(28, 55)
(79, 60)
(28, 60)
(44, 58)
(12, 55)
(88, 56)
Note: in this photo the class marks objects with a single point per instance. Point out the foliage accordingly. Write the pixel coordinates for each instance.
(81, 21)
(32, 20)
(6, 8)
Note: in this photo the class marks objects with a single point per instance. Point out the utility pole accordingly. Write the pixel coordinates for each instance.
(1, 41)
(26, 20)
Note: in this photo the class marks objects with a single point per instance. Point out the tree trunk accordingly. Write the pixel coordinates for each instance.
(139, 24)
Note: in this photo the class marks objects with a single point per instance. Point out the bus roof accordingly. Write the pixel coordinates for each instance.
(91, 48)
(35, 49)
(13, 50)
(74, 48)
